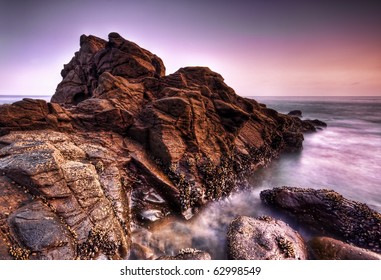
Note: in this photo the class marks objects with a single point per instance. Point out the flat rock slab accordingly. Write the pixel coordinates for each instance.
(39, 230)
(264, 239)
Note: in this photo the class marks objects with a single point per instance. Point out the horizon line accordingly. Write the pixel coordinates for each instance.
(47, 95)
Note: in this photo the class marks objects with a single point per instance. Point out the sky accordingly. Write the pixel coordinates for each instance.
(260, 47)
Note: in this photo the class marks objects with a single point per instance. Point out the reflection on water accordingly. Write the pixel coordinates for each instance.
(345, 157)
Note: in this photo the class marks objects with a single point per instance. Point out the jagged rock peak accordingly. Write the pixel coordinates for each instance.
(118, 56)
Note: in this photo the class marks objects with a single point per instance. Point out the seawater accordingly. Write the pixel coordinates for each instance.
(9, 99)
(345, 157)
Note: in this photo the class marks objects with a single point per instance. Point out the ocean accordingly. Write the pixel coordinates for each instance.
(345, 157)
(9, 99)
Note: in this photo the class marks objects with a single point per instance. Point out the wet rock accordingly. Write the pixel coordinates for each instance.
(296, 113)
(330, 213)
(293, 141)
(40, 231)
(151, 215)
(264, 239)
(326, 248)
(316, 123)
(188, 254)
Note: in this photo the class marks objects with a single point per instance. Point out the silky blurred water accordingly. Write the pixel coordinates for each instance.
(346, 157)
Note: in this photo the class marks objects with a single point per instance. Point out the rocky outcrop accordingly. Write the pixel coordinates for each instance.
(121, 139)
(264, 239)
(118, 57)
(330, 213)
(326, 248)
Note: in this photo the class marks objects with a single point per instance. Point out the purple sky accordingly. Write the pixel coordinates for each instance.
(266, 47)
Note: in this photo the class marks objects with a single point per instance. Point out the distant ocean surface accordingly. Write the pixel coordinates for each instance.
(9, 99)
(345, 156)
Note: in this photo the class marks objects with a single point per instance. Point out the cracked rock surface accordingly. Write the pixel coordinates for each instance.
(122, 145)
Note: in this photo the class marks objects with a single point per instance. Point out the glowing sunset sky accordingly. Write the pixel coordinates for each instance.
(263, 47)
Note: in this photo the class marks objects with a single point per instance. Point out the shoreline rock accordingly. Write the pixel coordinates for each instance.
(330, 213)
(296, 113)
(118, 130)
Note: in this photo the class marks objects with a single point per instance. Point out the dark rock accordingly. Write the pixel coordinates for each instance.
(264, 239)
(329, 212)
(296, 113)
(317, 123)
(40, 231)
(188, 254)
(326, 248)
(231, 117)
(293, 141)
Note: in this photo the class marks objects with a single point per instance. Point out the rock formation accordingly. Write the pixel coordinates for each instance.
(120, 139)
(330, 213)
(264, 238)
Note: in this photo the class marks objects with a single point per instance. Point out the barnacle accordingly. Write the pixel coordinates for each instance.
(19, 253)
(286, 247)
(97, 240)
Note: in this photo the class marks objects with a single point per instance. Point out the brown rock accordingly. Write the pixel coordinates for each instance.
(80, 75)
(264, 239)
(326, 248)
(119, 57)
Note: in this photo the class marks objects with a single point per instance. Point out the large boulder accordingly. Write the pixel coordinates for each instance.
(264, 239)
(330, 213)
